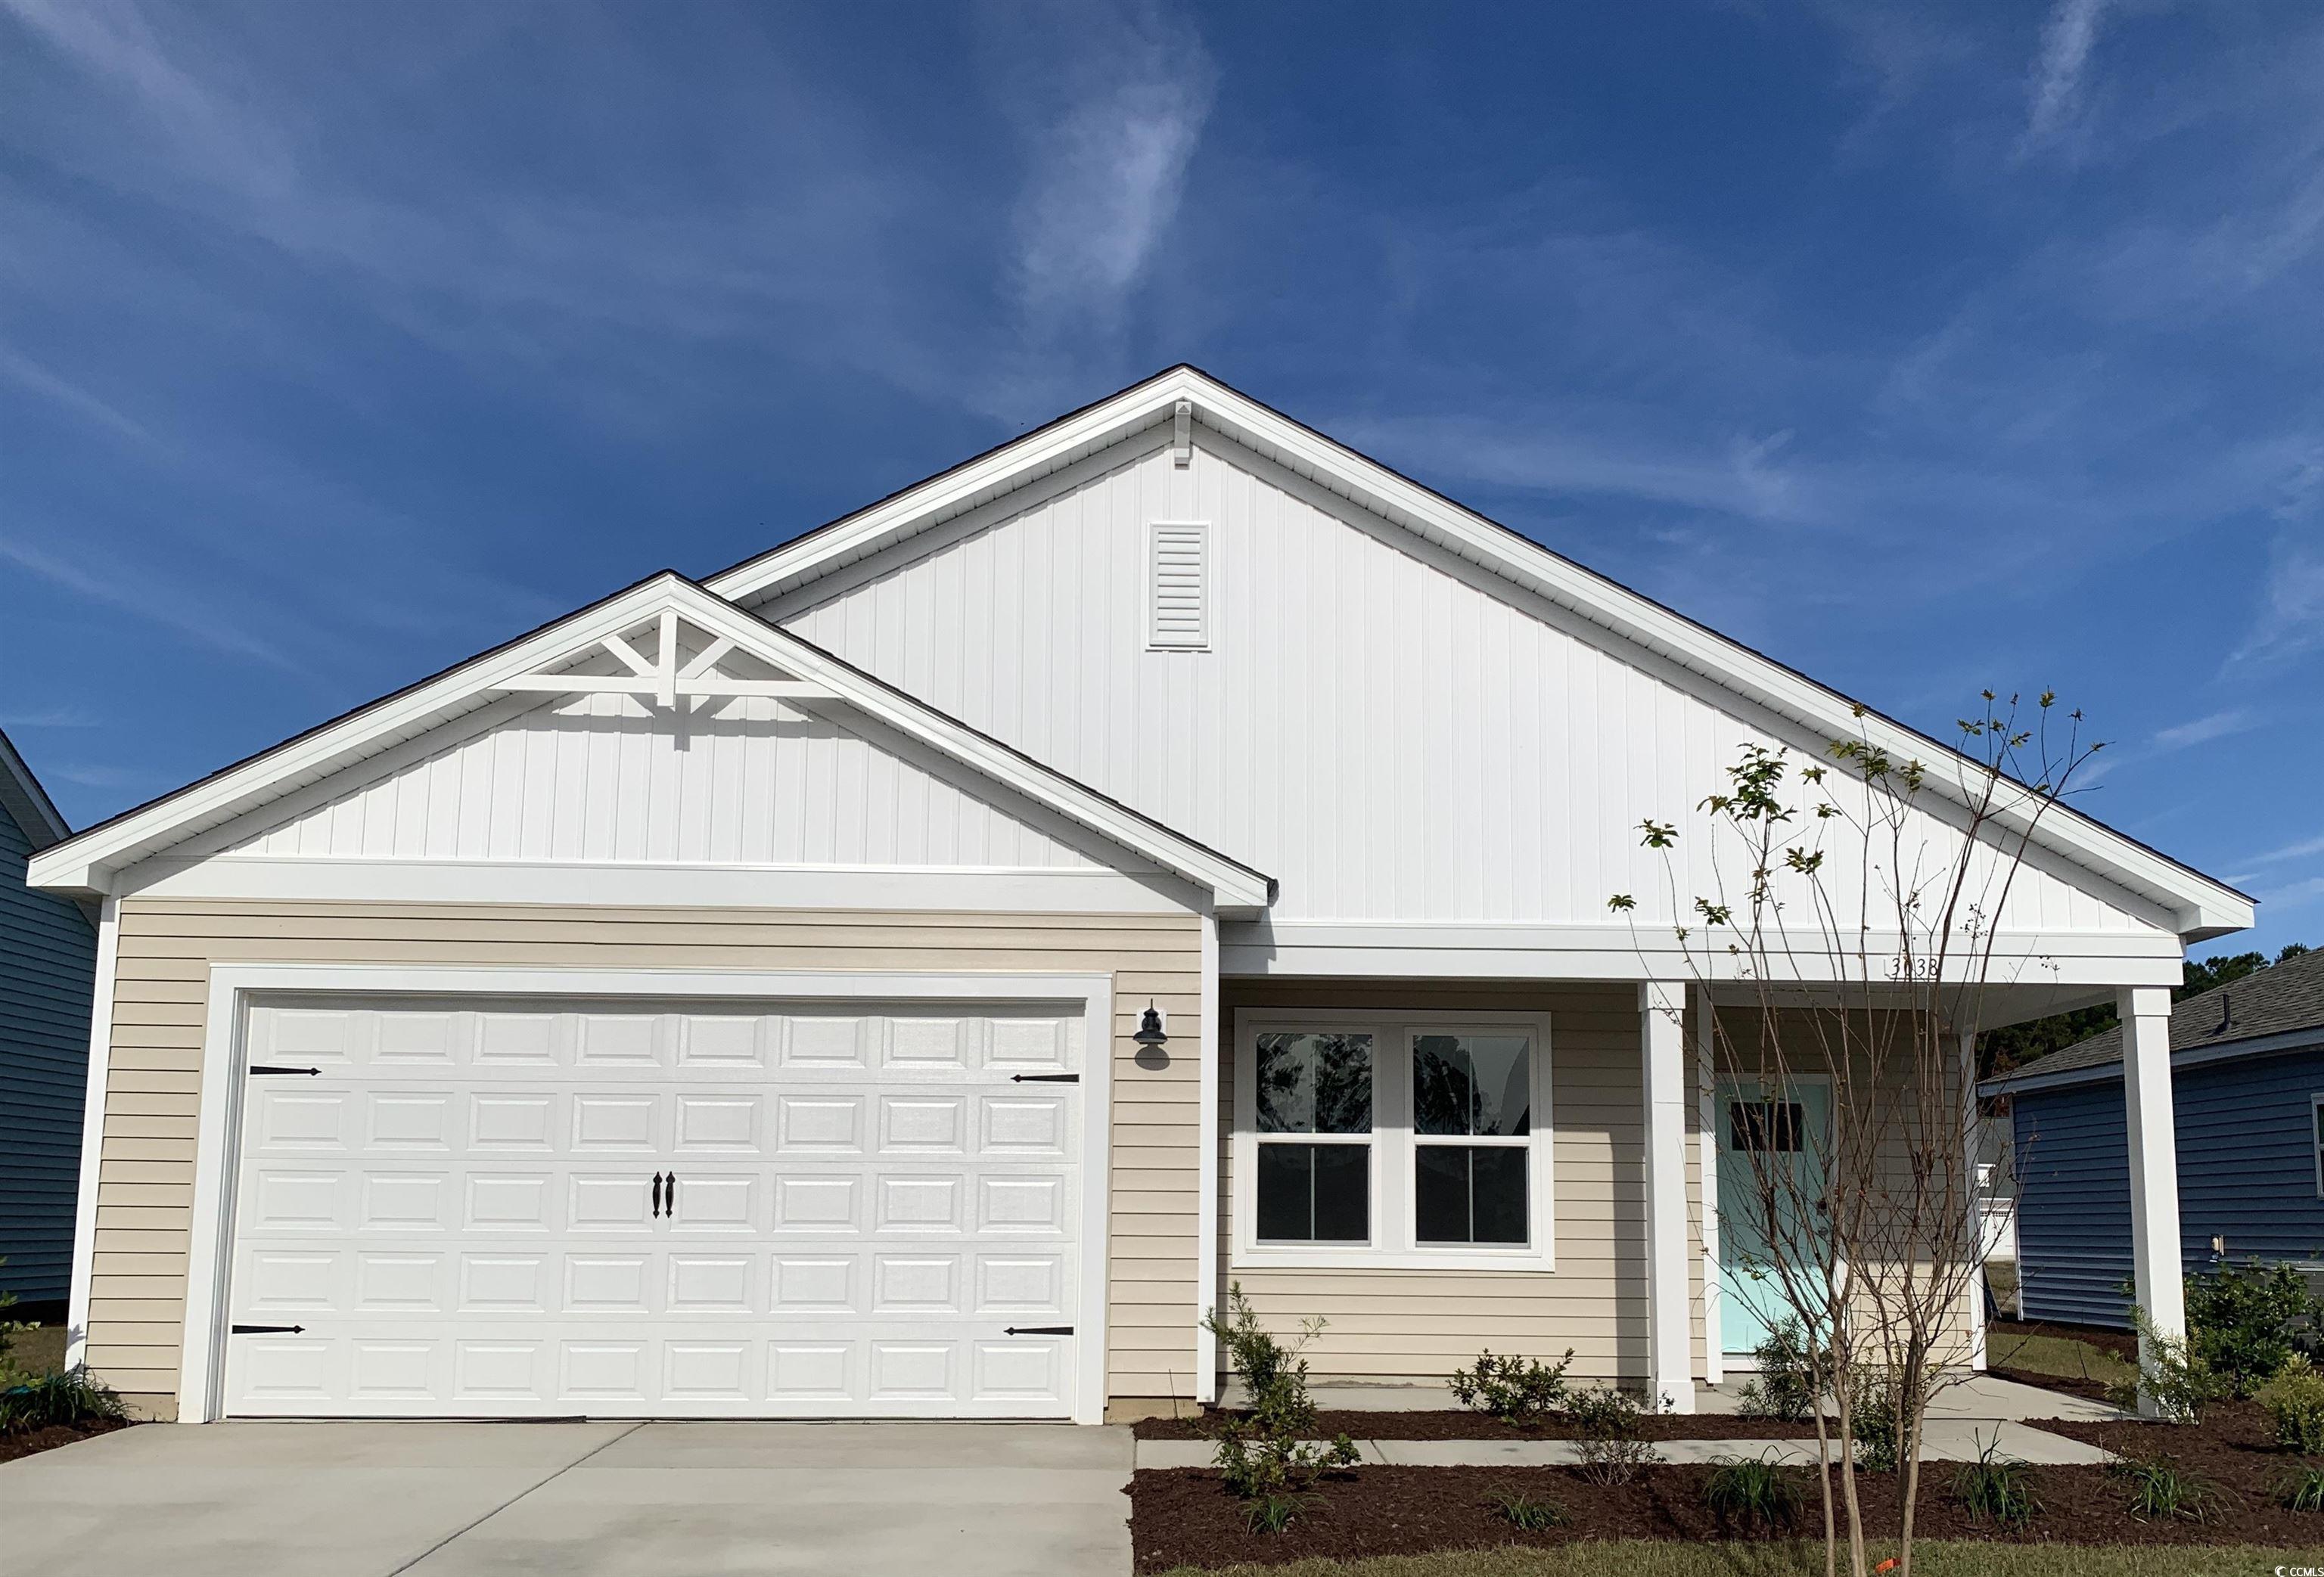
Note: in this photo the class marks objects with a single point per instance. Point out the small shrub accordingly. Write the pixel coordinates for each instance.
(1515, 1390)
(1519, 1509)
(2159, 1489)
(1785, 1386)
(69, 1396)
(2179, 1377)
(1605, 1421)
(1997, 1489)
(1873, 1423)
(1753, 1491)
(1266, 1453)
(1273, 1513)
(2304, 1490)
(2294, 1398)
(2244, 1322)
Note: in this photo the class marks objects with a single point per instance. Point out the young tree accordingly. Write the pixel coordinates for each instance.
(1844, 914)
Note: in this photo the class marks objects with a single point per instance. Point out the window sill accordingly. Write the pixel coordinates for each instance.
(1533, 1260)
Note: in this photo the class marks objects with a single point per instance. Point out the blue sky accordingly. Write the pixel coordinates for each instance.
(1925, 349)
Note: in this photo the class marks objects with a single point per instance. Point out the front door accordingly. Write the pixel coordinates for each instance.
(1788, 1128)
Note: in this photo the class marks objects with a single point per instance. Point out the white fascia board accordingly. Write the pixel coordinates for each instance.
(95, 860)
(2200, 907)
(89, 862)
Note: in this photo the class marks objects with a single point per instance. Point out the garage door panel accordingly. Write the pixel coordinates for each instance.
(459, 1207)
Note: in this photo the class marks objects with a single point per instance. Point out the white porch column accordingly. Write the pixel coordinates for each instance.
(1662, 1032)
(2154, 1164)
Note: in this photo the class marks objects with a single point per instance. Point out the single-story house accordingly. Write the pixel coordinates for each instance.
(914, 972)
(2247, 1083)
(48, 960)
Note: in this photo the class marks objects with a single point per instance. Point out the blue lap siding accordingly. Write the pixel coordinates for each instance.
(48, 962)
(2247, 1175)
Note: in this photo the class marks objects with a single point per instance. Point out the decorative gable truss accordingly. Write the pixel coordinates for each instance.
(689, 665)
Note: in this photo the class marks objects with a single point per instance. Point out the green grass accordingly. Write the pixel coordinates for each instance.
(1932, 1558)
(40, 1350)
(2060, 1355)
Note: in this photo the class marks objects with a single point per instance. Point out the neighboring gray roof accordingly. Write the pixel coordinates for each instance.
(28, 804)
(2267, 1006)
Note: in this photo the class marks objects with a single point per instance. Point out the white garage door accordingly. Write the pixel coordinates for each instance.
(494, 1209)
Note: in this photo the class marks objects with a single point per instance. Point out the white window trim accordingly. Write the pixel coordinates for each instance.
(1392, 1245)
(2316, 1138)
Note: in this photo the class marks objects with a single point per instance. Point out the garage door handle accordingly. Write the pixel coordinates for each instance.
(264, 1330)
(1036, 1330)
(657, 1194)
(268, 1067)
(1045, 1078)
(669, 1196)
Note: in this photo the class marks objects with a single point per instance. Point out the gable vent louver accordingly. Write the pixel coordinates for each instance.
(1179, 578)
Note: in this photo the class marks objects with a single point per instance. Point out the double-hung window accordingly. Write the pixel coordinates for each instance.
(1370, 1139)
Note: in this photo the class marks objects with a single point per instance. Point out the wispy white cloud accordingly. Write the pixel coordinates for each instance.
(2055, 94)
(1105, 180)
(2203, 730)
(2299, 851)
(30, 375)
(51, 717)
(168, 608)
(2291, 618)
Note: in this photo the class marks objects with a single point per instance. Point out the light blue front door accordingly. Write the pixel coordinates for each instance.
(1790, 1127)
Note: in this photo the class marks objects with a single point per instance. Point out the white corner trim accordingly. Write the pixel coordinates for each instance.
(1207, 1173)
(218, 1147)
(1661, 1038)
(1706, 1030)
(92, 1132)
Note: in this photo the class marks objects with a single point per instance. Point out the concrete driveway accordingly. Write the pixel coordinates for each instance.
(579, 1500)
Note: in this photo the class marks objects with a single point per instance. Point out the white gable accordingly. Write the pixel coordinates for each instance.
(1398, 734)
(602, 779)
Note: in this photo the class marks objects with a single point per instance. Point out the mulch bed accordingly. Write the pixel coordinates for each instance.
(1184, 1517)
(13, 1446)
(1458, 1424)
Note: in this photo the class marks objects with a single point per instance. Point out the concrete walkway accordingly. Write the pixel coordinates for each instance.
(1964, 1416)
(584, 1499)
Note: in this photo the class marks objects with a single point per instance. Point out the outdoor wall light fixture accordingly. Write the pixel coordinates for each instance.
(1150, 1028)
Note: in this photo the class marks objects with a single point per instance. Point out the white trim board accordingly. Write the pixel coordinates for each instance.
(954, 890)
(2201, 905)
(217, 1148)
(92, 1132)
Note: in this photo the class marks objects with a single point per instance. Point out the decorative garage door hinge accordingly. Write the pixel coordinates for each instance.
(1045, 1078)
(1036, 1330)
(269, 1067)
(266, 1329)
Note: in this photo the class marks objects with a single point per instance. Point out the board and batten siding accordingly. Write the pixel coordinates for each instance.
(167, 946)
(750, 781)
(1419, 1325)
(1394, 733)
(2246, 1147)
(48, 963)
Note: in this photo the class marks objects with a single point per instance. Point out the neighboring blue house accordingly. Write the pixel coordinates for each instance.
(2247, 1084)
(48, 961)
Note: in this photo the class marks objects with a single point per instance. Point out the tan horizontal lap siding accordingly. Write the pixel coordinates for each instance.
(161, 1009)
(1422, 1324)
